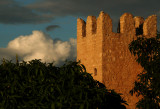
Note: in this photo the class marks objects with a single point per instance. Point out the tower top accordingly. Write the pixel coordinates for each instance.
(128, 25)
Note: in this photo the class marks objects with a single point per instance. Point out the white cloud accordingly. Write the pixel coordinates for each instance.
(39, 45)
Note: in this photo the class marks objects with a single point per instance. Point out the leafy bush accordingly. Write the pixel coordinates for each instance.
(148, 84)
(38, 86)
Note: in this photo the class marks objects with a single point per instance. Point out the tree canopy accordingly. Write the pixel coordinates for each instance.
(147, 52)
(38, 86)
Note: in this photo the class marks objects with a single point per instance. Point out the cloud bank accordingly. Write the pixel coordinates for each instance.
(87, 7)
(39, 45)
(41, 11)
(11, 12)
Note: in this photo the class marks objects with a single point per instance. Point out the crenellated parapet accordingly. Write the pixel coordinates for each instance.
(128, 25)
(103, 24)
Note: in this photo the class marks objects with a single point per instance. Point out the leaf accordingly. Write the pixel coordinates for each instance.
(51, 89)
(41, 74)
(81, 106)
(53, 106)
(36, 71)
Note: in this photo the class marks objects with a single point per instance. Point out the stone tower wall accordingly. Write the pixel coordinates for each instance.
(105, 53)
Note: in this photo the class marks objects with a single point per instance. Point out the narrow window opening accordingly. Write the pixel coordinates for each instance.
(95, 72)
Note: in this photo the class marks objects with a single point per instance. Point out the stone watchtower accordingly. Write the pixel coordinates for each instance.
(105, 54)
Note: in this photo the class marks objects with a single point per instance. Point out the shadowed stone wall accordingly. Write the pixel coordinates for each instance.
(105, 53)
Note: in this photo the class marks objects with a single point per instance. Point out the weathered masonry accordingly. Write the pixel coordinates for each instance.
(105, 53)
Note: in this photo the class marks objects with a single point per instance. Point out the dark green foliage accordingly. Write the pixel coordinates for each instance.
(38, 86)
(147, 52)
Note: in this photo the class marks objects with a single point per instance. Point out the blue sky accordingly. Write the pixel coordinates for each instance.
(57, 19)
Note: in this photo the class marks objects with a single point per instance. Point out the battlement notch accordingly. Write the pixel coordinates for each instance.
(139, 25)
